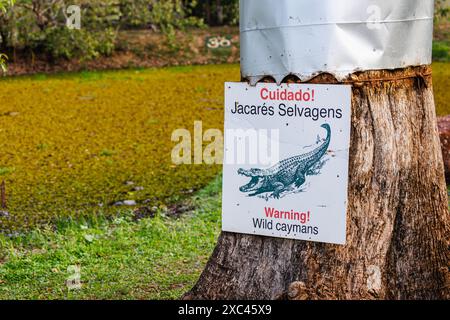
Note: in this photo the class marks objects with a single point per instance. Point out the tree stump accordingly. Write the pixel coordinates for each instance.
(398, 223)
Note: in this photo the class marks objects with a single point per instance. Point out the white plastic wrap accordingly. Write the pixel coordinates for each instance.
(308, 37)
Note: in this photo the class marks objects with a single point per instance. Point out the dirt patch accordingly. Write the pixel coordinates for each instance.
(174, 210)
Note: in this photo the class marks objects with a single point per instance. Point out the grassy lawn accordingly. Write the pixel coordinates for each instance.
(155, 258)
(72, 145)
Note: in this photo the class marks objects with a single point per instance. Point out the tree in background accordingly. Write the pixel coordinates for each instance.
(40, 26)
(441, 43)
(218, 12)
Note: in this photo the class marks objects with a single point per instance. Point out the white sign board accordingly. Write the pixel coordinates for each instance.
(285, 169)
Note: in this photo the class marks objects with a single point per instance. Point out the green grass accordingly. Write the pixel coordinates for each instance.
(441, 51)
(153, 258)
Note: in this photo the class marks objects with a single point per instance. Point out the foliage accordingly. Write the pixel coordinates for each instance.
(40, 25)
(169, 15)
(37, 24)
(163, 15)
(5, 4)
(441, 9)
(153, 258)
(218, 12)
(75, 140)
(66, 43)
(99, 14)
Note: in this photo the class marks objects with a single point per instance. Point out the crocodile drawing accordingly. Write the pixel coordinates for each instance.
(286, 173)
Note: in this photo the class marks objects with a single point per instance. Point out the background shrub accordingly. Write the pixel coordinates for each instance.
(40, 25)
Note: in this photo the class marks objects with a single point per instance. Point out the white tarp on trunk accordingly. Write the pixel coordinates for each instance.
(306, 37)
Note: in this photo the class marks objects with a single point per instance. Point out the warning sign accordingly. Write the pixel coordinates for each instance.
(285, 169)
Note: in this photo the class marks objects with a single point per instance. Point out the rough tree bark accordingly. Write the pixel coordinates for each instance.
(398, 224)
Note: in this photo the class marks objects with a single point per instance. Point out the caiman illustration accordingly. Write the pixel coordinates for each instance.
(286, 173)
